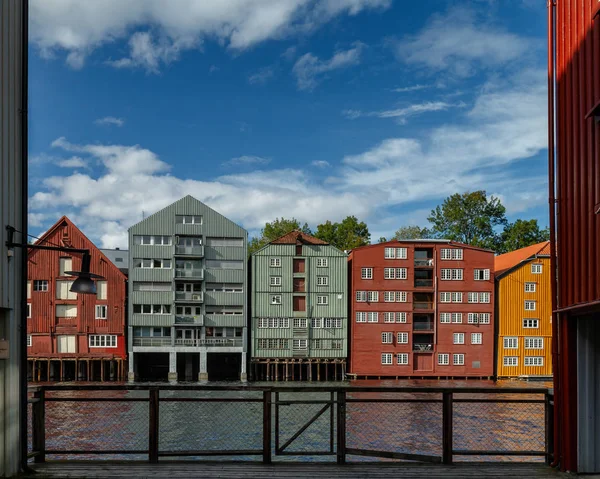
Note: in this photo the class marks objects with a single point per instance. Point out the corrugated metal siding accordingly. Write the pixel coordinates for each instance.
(44, 265)
(511, 312)
(152, 297)
(224, 299)
(225, 252)
(151, 320)
(237, 321)
(588, 372)
(150, 274)
(11, 213)
(226, 275)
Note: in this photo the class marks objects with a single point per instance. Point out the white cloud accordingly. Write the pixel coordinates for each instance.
(401, 114)
(261, 76)
(247, 160)
(411, 88)
(459, 42)
(213, 69)
(110, 120)
(352, 114)
(290, 53)
(36, 220)
(320, 163)
(157, 35)
(73, 162)
(309, 69)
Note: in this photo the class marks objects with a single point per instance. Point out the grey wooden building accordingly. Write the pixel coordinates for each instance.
(299, 310)
(187, 295)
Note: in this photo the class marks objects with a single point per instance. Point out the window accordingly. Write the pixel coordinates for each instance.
(459, 338)
(300, 322)
(28, 289)
(386, 358)
(263, 323)
(402, 358)
(443, 358)
(366, 273)
(29, 310)
(66, 311)
(66, 344)
(161, 309)
(64, 265)
(361, 317)
(275, 281)
(395, 253)
(101, 311)
(476, 338)
(29, 341)
(484, 297)
(445, 317)
(401, 317)
(387, 338)
(482, 274)
(373, 296)
(40, 285)
(63, 290)
(188, 219)
(531, 323)
(536, 268)
(451, 253)
(395, 296)
(276, 299)
(458, 359)
(457, 297)
(322, 263)
(396, 317)
(222, 264)
(275, 262)
(225, 242)
(300, 344)
(511, 342)
(401, 253)
(484, 318)
(317, 344)
(101, 289)
(322, 280)
(452, 274)
(148, 286)
(446, 274)
(510, 361)
(530, 287)
(401, 296)
(534, 343)
(529, 305)
(102, 341)
(394, 273)
(333, 322)
(373, 317)
(534, 361)
(457, 318)
(473, 318)
(146, 263)
(473, 298)
(150, 240)
(322, 300)
(402, 338)
(445, 297)
(361, 296)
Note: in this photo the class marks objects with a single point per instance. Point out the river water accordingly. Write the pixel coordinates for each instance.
(411, 428)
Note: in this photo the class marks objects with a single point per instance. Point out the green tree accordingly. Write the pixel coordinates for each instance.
(345, 235)
(469, 218)
(275, 229)
(411, 232)
(382, 239)
(520, 234)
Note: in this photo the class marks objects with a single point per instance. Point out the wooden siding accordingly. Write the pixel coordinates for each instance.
(44, 265)
(511, 297)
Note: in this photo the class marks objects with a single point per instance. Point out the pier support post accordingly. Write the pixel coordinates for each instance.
(447, 407)
(341, 427)
(243, 373)
(203, 374)
(38, 432)
(172, 376)
(131, 373)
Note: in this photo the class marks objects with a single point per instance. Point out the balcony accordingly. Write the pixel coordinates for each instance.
(210, 342)
(422, 348)
(189, 274)
(193, 251)
(189, 296)
(197, 320)
(423, 305)
(423, 283)
(424, 263)
(151, 342)
(423, 326)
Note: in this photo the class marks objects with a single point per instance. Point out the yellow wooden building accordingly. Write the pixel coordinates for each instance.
(524, 312)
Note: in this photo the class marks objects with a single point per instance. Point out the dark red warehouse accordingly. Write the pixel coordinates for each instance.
(73, 336)
(422, 308)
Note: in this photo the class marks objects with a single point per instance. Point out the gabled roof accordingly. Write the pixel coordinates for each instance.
(298, 237)
(64, 219)
(440, 241)
(507, 261)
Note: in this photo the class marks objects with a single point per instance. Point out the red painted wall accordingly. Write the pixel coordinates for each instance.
(44, 326)
(365, 338)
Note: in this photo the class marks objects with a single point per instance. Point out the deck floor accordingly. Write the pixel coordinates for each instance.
(186, 470)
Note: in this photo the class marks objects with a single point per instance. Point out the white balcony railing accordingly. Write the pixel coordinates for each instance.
(196, 273)
(189, 250)
(192, 297)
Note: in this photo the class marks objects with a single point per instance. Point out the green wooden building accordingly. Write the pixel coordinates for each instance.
(187, 295)
(299, 310)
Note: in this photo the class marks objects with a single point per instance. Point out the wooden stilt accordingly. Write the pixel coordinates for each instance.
(287, 375)
(319, 371)
(310, 371)
(87, 377)
(102, 370)
(300, 372)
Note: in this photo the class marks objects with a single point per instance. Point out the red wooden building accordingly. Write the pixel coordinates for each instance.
(422, 308)
(574, 68)
(74, 336)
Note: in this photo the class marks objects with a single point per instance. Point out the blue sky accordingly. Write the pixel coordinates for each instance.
(315, 109)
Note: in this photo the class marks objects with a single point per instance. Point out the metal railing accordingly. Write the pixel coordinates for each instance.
(151, 342)
(423, 283)
(424, 326)
(427, 424)
(196, 273)
(424, 262)
(422, 347)
(189, 250)
(422, 305)
(224, 342)
(197, 320)
(193, 297)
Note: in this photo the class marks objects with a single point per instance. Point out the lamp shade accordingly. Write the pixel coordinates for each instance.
(84, 284)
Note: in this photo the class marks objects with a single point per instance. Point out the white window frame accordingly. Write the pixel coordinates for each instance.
(485, 297)
(473, 297)
(389, 273)
(448, 254)
(402, 337)
(361, 317)
(530, 287)
(534, 342)
(276, 299)
(389, 317)
(387, 359)
(275, 281)
(530, 305)
(300, 344)
(457, 274)
(443, 359)
(458, 359)
(473, 318)
(476, 338)
(29, 341)
(322, 300)
(300, 322)
(401, 297)
(316, 323)
(510, 361)
(458, 338)
(42, 285)
(333, 323)
(457, 318)
(102, 340)
(366, 273)
(402, 359)
(445, 318)
(457, 295)
(481, 274)
(372, 317)
(65, 263)
(510, 342)
(484, 318)
(263, 323)
(361, 297)
(535, 361)
(372, 296)
(536, 268)
(28, 310)
(99, 309)
(401, 273)
(102, 290)
(275, 262)
(322, 280)
(401, 316)
(401, 253)
(531, 323)
(387, 338)
(446, 274)
(322, 263)
(445, 297)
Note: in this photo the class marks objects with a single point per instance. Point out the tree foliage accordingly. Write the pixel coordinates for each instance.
(345, 235)
(274, 230)
(411, 232)
(520, 234)
(470, 218)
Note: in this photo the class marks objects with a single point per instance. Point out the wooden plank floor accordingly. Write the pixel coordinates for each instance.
(186, 470)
